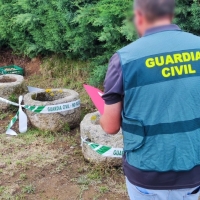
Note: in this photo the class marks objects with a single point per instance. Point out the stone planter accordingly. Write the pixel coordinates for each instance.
(53, 121)
(91, 129)
(11, 85)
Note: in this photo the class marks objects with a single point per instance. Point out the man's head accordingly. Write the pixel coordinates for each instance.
(150, 13)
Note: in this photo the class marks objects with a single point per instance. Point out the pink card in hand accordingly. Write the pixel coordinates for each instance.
(96, 96)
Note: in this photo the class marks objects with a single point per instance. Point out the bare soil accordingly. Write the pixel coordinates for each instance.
(51, 167)
(31, 66)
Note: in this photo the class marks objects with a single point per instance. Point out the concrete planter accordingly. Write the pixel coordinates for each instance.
(53, 121)
(90, 129)
(11, 85)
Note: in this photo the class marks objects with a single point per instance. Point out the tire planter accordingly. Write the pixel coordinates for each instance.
(53, 121)
(91, 129)
(11, 85)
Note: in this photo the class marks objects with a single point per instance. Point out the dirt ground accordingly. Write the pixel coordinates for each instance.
(40, 165)
(31, 66)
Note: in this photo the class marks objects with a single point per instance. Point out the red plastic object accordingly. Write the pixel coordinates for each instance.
(95, 94)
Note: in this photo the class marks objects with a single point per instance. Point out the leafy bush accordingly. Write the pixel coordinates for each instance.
(187, 15)
(104, 27)
(33, 27)
(80, 29)
(83, 29)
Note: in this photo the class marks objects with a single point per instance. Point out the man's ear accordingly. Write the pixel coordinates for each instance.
(140, 17)
(139, 21)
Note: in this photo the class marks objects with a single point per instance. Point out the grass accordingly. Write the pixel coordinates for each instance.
(43, 155)
(94, 175)
(20, 197)
(57, 72)
(103, 189)
(82, 180)
(83, 188)
(2, 188)
(3, 116)
(32, 151)
(28, 189)
(23, 177)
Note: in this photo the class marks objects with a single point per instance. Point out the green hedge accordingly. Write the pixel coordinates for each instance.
(188, 15)
(80, 29)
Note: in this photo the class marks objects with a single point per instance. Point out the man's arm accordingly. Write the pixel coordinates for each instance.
(111, 119)
(113, 96)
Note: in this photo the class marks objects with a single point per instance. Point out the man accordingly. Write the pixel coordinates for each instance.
(152, 91)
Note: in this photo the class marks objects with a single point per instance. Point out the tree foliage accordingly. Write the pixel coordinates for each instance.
(80, 29)
(188, 15)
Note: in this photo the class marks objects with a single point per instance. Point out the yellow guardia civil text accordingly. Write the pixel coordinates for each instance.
(180, 63)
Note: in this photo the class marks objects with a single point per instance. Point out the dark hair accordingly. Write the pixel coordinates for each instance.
(155, 9)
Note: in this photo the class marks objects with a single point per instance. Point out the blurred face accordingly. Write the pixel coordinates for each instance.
(140, 22)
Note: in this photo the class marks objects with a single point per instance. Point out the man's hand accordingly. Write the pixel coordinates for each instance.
(111, 119)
